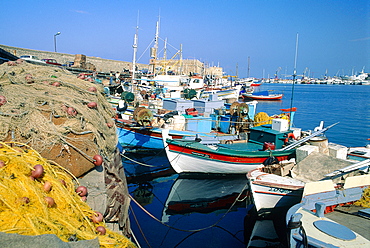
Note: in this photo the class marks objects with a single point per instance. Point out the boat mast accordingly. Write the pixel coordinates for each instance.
(181, 59)
(134, 46)
(165, 49)
(294, 78)
(248, 66)
(153, 53)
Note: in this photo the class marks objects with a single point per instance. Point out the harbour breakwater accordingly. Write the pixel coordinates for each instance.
(102, 65)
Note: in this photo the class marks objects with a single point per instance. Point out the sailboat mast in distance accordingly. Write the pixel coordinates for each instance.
(153, 50)
(134, 46)
(248, 66)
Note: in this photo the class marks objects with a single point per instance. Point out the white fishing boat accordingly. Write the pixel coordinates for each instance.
(240, 157)
(359, 153)
(262, 96)
(273, 191)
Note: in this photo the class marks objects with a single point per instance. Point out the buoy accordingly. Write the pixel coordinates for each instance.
(98, 160)
(2, 100)
(71, 111)
(92, 105)
(92, 89)
(290, 136)
(56, 84)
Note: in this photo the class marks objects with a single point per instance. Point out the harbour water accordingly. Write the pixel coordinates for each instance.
(215, 212)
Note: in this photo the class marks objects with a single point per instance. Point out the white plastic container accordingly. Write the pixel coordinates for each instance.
(280, 125)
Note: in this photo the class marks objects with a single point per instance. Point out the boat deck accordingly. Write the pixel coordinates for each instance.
(349, 216)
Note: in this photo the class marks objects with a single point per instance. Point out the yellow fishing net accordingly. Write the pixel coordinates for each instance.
(365, 199)
(262, 118)
(24, 210)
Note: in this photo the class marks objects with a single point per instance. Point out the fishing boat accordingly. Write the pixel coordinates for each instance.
(263, 144)
(277, 189)
(234, 157)
(132, 136)
(271, 192)
(359, 153)
(143, 130)
(312, 223)
(223, 94)
(262, 95)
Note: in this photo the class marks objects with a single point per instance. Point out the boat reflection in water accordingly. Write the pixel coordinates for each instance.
(185, 210)
(192, 195)
(175, 211)
(265, 230)
(141, 167)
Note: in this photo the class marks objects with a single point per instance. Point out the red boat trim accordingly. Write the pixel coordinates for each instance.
(277, 185)
(273, 193)
(223, 158)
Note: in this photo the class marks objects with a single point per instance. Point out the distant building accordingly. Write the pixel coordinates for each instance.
(214, 71)
(184, 67)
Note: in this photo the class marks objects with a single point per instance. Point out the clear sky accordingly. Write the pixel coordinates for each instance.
(334, 35)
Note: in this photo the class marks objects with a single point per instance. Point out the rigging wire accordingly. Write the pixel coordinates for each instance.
(233, 235)
(144, 164)
(141, 230)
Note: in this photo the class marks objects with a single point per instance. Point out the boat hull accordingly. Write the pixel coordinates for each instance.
(151, 137)
(266, 98)
(271, 192)
(140, 137)
(190, 159)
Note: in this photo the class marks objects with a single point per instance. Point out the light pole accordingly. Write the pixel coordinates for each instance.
(55, 41)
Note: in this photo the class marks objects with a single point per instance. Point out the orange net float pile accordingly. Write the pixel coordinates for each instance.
(35, 202)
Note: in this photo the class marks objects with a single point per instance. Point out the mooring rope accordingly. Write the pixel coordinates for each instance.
(195, 230)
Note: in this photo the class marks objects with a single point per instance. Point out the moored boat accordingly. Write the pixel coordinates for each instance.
(237, 157)
(273, 187)
(183, 121)
(271, 192)
(262, 95)
(359, 153)
(311, 224)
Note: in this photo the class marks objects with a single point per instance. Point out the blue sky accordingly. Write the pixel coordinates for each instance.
(334, 35)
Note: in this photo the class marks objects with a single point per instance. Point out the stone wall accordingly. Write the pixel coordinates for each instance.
(102, 65)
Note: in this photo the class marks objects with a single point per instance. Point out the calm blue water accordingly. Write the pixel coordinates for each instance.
(194, 212)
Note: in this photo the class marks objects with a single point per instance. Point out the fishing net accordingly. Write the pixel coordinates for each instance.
(67, 120)
(262, 118)
(365, 199)
(50, 109)
(23, 206)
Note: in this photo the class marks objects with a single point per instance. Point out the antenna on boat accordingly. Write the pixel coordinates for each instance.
(294, 78)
